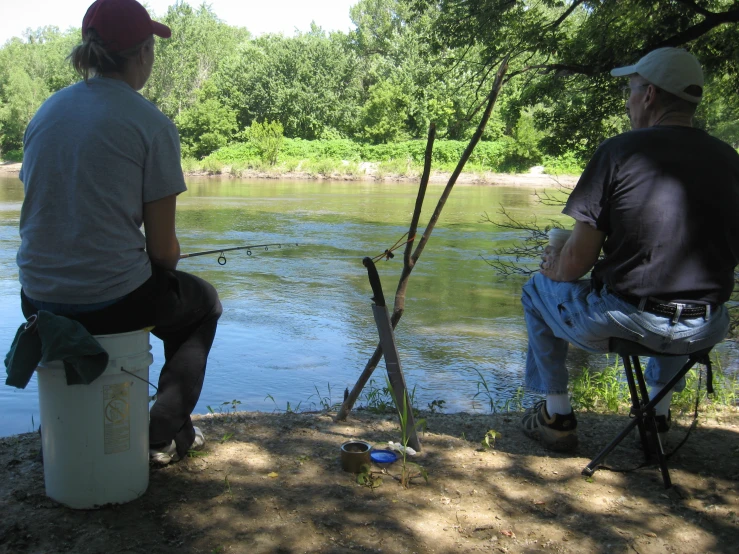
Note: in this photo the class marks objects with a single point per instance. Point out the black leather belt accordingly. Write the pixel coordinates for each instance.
(667, 309)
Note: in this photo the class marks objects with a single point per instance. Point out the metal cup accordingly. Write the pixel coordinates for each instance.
(355, 454)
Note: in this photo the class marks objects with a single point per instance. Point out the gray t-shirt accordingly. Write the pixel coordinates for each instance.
(95, 153)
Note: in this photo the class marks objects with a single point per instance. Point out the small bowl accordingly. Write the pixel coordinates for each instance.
(384, 457)
(355, 454)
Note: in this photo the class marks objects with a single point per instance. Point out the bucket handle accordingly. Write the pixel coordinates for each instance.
(156, 389)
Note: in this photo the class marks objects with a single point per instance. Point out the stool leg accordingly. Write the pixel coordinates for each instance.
(641, 417)
(637, 420)
(636, 401)
(648, 415)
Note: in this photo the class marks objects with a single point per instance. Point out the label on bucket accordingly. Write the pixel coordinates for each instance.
(117, 421)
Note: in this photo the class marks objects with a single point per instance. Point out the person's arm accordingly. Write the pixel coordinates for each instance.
(577, 257)
(159, 225)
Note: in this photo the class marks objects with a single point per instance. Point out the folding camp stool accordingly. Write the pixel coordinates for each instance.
(642, 408)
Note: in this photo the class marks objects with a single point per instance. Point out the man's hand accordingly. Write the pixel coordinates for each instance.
(577, 256)
(550, 262)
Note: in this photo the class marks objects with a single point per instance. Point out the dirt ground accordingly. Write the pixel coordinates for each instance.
(275, 485)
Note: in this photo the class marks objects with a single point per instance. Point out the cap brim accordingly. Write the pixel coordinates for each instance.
(160, 30)
(623, 71)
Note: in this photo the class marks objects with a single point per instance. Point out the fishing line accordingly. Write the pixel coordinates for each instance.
(388, 254)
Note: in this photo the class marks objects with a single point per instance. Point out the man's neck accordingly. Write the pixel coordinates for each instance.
(671, 117)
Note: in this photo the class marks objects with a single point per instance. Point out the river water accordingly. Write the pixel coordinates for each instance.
(297, 327)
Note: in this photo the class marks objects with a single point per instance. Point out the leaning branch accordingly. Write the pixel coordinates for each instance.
(465, 156)
(351, 397)
(409, 260)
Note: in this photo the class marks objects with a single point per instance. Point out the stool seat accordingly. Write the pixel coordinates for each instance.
(624, 347)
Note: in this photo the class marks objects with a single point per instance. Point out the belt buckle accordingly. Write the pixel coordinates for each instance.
(678, 310)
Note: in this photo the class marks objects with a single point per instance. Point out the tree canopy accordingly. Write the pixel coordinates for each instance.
(562, 52)
(407, 63)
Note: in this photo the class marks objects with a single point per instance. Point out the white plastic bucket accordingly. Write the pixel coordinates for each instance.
(95, 437)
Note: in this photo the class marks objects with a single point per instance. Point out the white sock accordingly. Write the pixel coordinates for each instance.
(663, 406)
(558, 404)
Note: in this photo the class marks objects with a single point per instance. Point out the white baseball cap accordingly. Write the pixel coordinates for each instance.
(671, 69)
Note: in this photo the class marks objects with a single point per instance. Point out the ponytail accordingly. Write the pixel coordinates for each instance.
(91, 58)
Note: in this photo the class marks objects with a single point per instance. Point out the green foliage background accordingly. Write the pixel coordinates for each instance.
(370, 94)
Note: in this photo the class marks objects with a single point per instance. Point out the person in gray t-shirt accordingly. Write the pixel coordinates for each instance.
(99, 161)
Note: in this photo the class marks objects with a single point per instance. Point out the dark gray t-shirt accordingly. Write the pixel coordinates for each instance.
(667, 198)
(94, 154)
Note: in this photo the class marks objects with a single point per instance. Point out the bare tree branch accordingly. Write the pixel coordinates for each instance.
(698, 30)
(711, 21)
(560, 20)
(695, 7)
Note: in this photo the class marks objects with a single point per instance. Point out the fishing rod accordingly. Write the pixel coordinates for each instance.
(222, 257)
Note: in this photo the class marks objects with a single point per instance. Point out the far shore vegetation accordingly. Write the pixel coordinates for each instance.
(339, 103)
(344, 158)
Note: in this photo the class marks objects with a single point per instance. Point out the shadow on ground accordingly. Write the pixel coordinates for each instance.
(272, 483)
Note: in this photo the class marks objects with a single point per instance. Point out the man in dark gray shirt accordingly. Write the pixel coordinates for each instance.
(661, 202)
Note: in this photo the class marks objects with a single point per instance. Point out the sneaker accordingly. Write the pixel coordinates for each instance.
(164, 455)
(663, 426)
(168, 454)
(555, 433)
(199, 441)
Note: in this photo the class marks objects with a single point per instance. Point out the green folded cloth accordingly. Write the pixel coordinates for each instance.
(49, 338)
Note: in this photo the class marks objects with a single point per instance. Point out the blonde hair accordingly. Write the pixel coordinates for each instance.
(91, 58)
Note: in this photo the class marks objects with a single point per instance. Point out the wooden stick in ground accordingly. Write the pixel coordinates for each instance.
(409, 261)
(351, 397)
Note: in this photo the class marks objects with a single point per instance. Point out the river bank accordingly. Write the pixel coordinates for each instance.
(272, 483)
(369, 172)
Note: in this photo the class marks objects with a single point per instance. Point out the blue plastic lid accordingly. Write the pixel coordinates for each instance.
(383, 456)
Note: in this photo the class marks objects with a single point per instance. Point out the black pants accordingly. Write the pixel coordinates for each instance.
(184, 311)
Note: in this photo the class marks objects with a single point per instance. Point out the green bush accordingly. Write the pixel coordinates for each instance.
(301, 149)
(237, 152)
(395, 167)
(325, 167)
(267, 137)
(207, 125)
(291, 164)
(259, 165)
(237, 168)
(566, 164)
(341, 149)
(212, 166)
(350, 168)
(407, 156)
(446, 154)
(189, 164)
(13, 155)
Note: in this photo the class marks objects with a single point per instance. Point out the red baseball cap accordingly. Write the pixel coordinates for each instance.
(122, 24)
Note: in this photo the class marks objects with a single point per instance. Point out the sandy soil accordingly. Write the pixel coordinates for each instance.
(275, 486)
(10, 167)
(532, 179)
